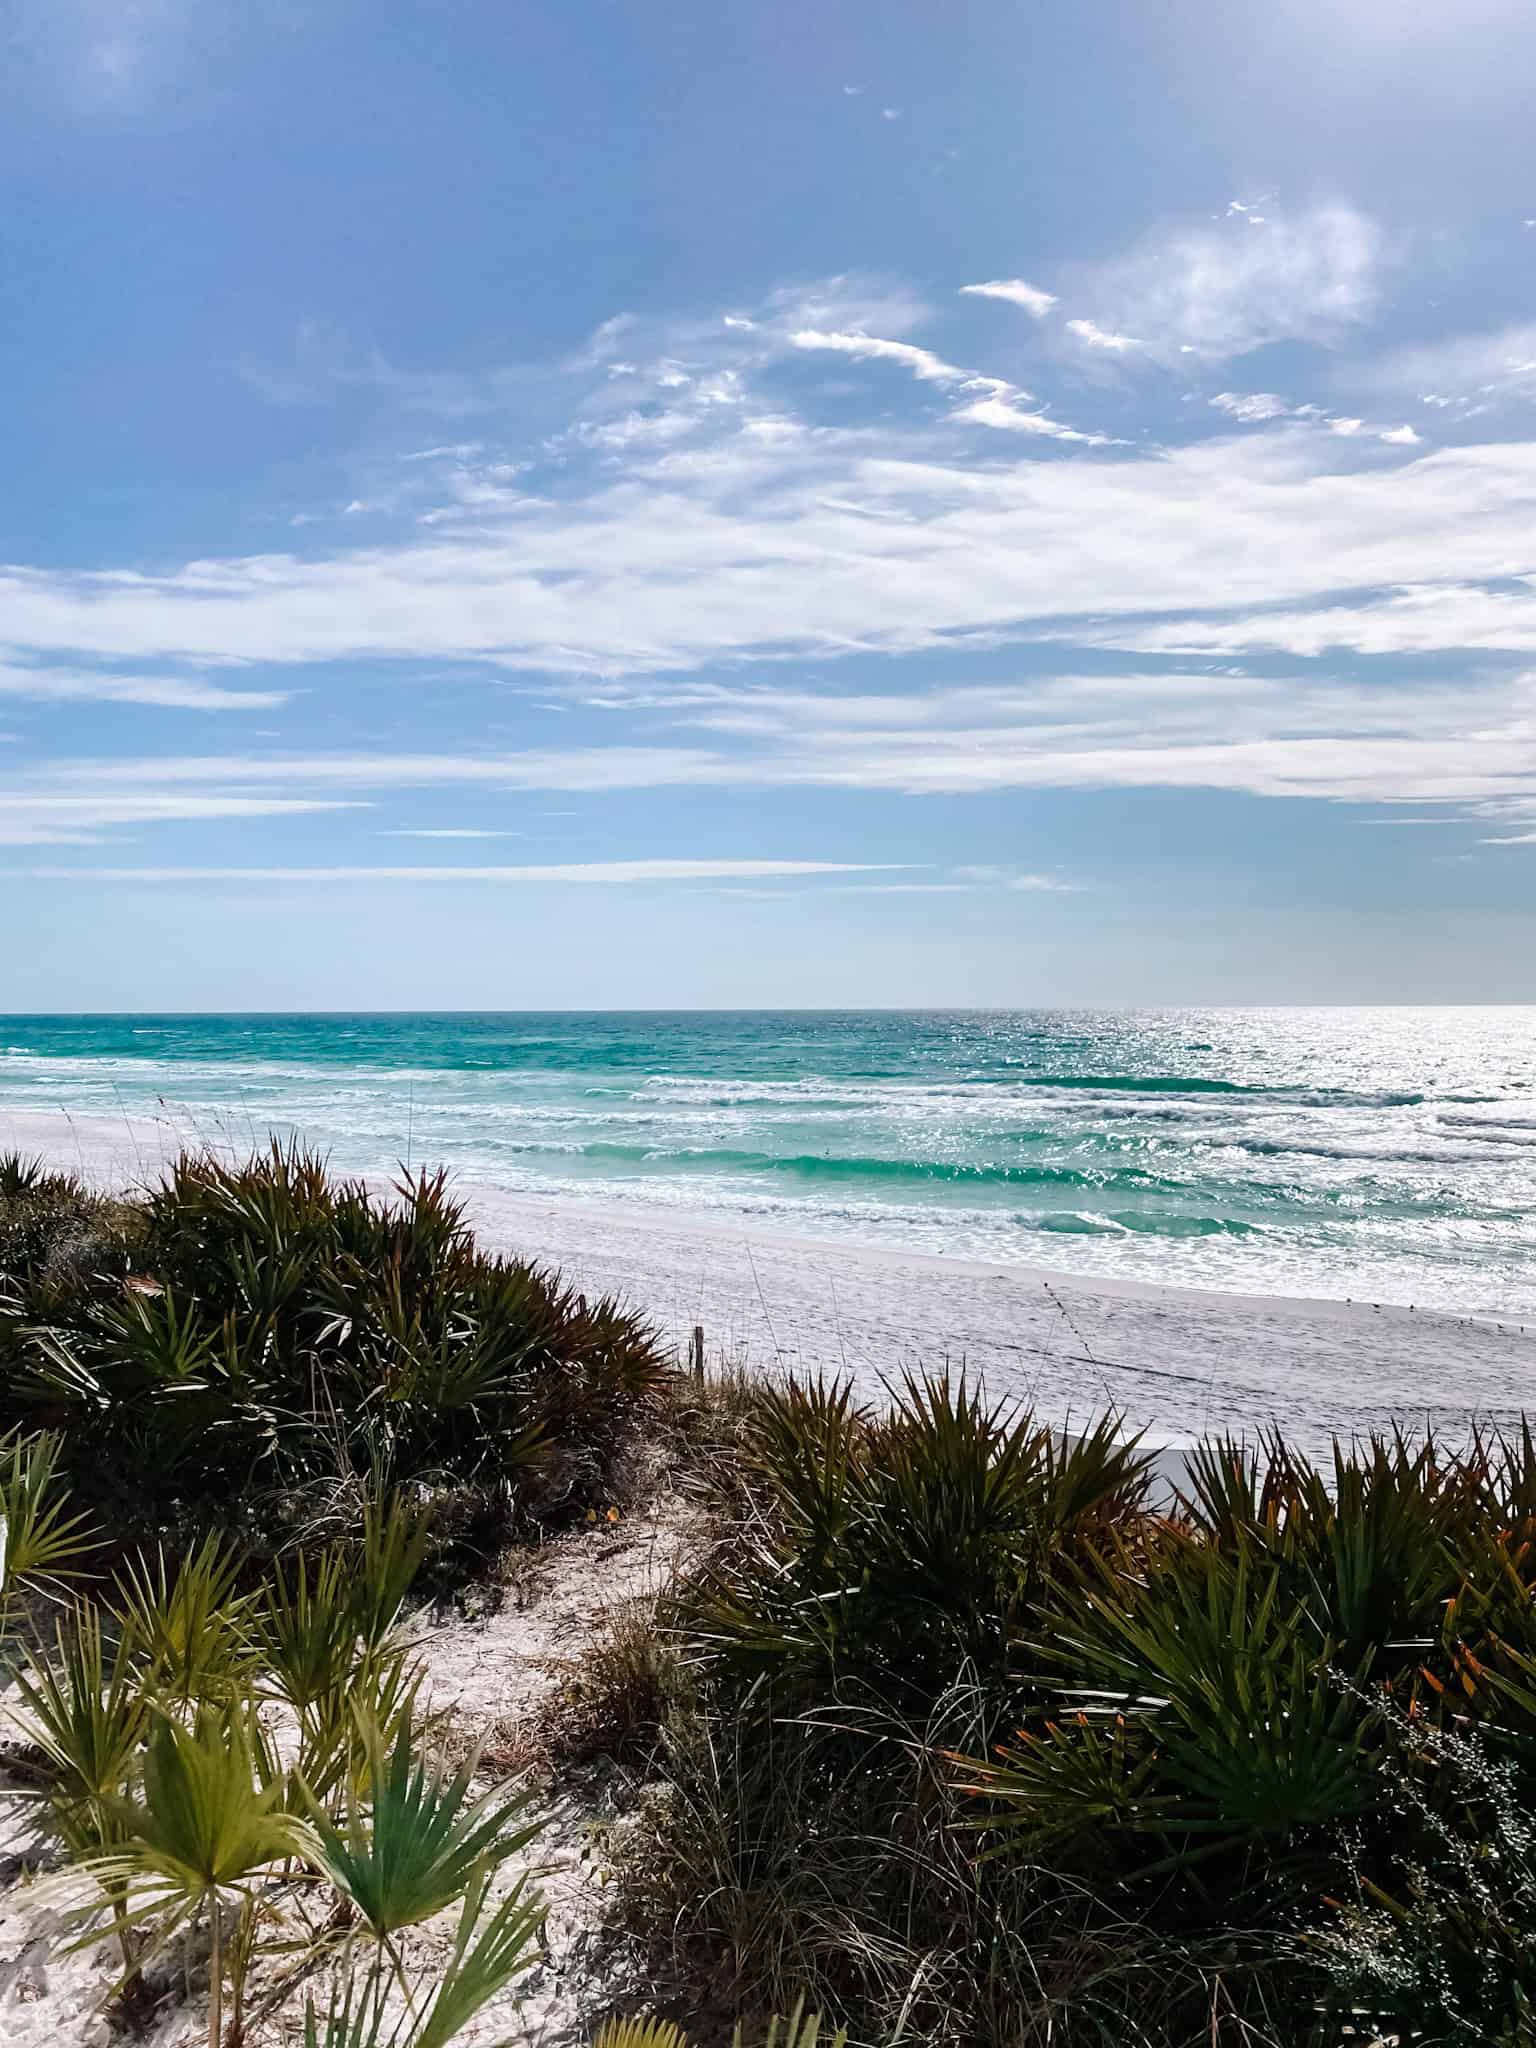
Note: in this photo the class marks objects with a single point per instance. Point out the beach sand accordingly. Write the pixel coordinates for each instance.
(1175, 1362)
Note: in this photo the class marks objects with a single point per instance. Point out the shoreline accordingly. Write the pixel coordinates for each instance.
(1173, 1360)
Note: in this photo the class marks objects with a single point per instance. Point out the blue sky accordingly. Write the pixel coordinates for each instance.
(613, 504)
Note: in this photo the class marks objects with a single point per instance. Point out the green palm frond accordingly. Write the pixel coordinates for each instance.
(210, 1811)
(488, 1953)
(377, 1696)
(801, 2029)
(306, 1629)
(42, 1538)
(423, 1840)
(1212, 1661)
(639, 2030)
(87, 1711)
(195, 1632)
(395, 1536)
(19, 1175)
(209, 1818)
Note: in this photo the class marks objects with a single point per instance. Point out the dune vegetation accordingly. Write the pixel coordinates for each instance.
(948, 1727)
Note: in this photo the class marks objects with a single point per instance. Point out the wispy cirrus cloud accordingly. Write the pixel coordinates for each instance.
(1092, 335)
(1295, 735)
(1015, 292)
(824, 542)
(1009, 417)
(1224, 289)
(870, 348)
(591, 872)
(699, 509)
(59, 817)
(50, 685)
(1458, 371)
(1250, 406)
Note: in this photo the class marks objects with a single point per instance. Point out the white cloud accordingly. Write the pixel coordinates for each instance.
(590, 768)
(457, 451)
(611, 871)
(1220, 290)
(1500, 365)
(1093, 336)
(922, 362)
(175, 693)
(31, 817)
(1016, 292)
(983, 873)
(1013, 419)
(636, 429)
(1293, 735)
(1250, 406)
(1421, 619)
(1401, 437)
(823, 543)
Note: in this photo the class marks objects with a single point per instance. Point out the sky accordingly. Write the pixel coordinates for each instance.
(811, 503)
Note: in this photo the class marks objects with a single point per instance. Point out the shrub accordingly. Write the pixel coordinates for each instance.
(892, 1553)
(1435, 1939)
(1179, 1730)
(284, 1333)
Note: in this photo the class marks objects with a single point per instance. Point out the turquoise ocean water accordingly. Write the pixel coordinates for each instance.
(1387, 1155)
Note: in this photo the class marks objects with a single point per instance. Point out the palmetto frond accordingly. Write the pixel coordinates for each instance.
(489, 1951)
(194, 1630)
(85, 1708)
(42, 1538)
(421, 1841)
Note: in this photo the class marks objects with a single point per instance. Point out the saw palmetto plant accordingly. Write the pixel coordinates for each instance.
(490, 1949)
(799, 2029)
(85, 1708)
(44, 1536)
(207, 1821)
(192, 1625)
(422, 1838)
(279, 1315)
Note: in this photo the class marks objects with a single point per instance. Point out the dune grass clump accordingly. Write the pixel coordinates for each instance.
(989, 1746)
(253, 1337)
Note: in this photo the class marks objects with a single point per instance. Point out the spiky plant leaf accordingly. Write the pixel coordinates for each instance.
(639, 2030)
(379, 1694)
(42, 1537)
(195, 1632)
(306, 1629)
(420, 1843)
(801, 2029)
(210, 1809)
(87, 1711)
(19, 1174)
(395, 1536)
(488, 1952)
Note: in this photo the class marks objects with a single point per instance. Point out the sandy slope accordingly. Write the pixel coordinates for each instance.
(492, 1676)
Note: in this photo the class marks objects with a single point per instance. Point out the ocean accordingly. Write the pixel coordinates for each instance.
(1385, 1155)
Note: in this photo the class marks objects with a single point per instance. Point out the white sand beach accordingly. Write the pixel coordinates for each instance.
(1173, 1361)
